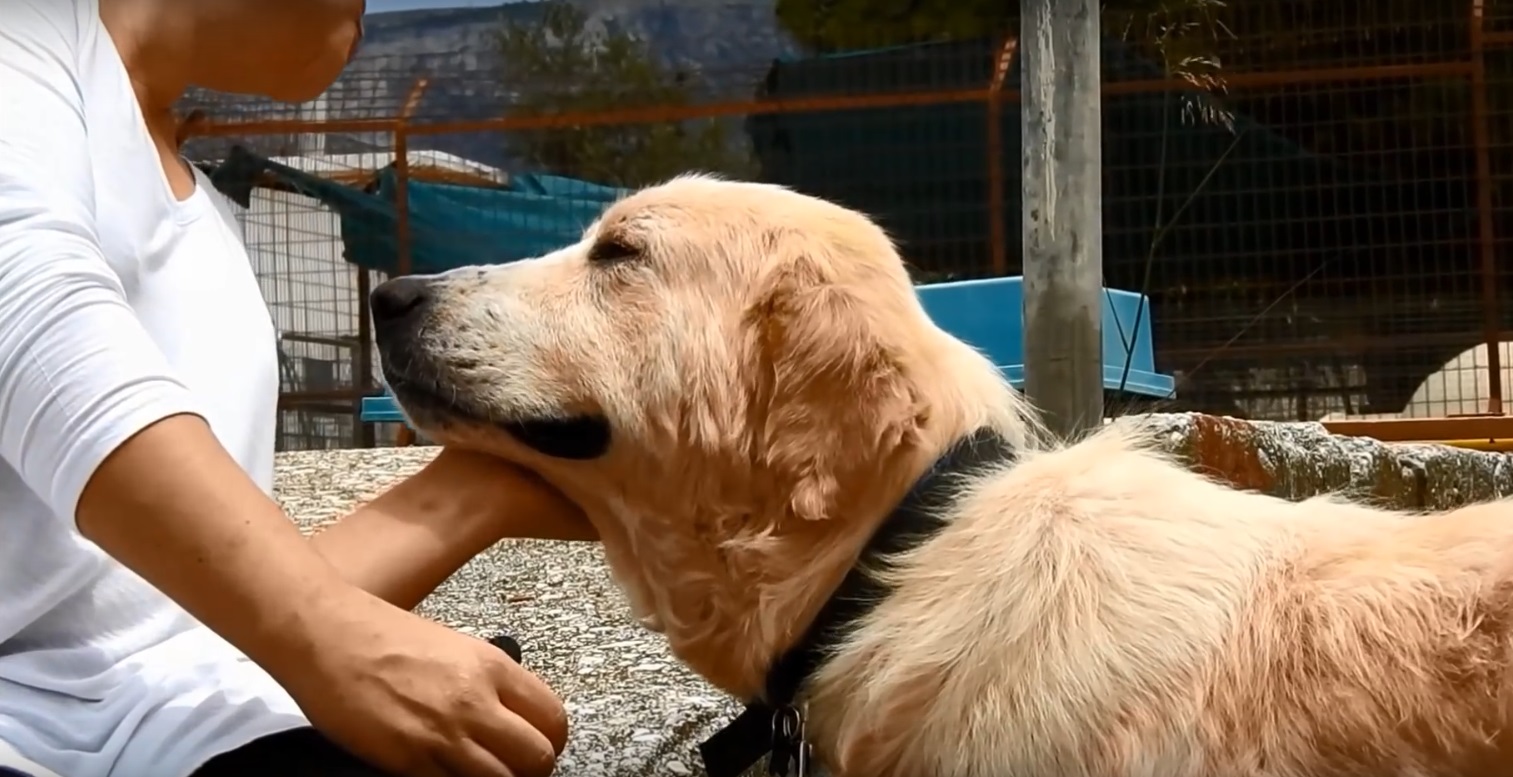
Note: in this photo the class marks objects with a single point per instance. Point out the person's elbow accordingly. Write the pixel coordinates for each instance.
(79, 375)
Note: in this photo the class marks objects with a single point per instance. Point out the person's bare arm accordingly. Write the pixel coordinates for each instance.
(172, 505)
(409, 695)
(411, 538)
(93, 418)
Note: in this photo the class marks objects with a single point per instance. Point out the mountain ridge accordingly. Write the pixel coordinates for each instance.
(725, 47)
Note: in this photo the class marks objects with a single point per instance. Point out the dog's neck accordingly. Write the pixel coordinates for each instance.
(915, 520)
(773, 589)
(731, 581)
(825, 554)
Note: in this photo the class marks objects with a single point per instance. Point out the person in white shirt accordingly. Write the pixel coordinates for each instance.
(159, 614)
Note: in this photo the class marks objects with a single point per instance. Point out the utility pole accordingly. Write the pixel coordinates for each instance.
(1061, 110)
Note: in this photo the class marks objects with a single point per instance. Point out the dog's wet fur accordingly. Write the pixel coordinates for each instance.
(737, 382)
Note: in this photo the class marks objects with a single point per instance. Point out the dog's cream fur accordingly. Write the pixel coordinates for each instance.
(774, 387)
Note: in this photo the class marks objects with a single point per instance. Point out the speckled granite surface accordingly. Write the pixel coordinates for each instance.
(636, 712)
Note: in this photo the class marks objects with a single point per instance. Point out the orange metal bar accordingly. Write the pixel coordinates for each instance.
(997, 230)
(1486, 446)
(1264, 79)
(406, 437)
(213, 128)
(1427, 429)
(1335, 345)
(402, 177)
(318, 396)
(1481, 134)
(412, 101)
(314, 339)
(663, 113)
(914, 99)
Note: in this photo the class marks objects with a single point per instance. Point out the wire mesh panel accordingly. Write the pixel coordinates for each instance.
(1331, 231)
(1313, 194)
(298, 251)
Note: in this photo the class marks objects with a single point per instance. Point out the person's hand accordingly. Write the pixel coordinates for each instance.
(419, 700)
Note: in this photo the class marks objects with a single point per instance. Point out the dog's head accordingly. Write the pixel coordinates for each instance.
(734, 380)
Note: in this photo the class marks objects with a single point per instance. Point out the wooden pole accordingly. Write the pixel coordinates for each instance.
(1063, 214)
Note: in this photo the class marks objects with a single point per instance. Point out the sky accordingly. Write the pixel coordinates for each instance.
(380, 6)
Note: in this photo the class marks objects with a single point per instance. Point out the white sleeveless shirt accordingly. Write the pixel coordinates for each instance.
(119, 306)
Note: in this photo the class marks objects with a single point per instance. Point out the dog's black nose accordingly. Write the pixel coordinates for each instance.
(395, 299)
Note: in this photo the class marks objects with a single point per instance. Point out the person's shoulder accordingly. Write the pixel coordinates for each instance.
(58, 28)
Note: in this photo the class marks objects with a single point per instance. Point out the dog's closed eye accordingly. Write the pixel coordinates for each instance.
(611, 251)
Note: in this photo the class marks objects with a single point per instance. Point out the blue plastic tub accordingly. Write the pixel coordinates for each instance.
(989, 314)
(379, 410)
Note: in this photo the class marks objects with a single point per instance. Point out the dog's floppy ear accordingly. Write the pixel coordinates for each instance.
(831, 396)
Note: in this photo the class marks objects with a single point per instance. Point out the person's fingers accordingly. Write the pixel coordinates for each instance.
(470, 759)
(512, 741)
(532, 699)
(432, 768)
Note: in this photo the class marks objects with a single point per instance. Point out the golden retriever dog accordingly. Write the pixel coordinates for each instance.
(739, 386)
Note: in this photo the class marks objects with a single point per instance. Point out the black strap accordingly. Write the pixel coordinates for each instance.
(763, 727)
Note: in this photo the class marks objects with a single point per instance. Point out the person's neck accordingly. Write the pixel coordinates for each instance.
(156, 48)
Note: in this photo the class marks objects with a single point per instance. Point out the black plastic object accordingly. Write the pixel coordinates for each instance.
(508, 644)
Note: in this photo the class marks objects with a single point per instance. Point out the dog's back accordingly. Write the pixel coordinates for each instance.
(1383, 649)
(1100, 610)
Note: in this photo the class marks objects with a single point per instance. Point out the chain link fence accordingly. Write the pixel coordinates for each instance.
(1314, 195)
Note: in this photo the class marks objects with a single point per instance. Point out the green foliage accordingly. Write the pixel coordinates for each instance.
(562, 65)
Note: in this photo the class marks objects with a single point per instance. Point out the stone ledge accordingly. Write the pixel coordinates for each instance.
(1300, 460)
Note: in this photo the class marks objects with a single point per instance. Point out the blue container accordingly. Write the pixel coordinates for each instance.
(379, 410)
(989, 314)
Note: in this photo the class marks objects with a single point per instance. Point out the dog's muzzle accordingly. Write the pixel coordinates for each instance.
(417, 378)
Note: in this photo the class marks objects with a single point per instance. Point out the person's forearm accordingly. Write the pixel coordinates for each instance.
(173, 506)
(411, 538)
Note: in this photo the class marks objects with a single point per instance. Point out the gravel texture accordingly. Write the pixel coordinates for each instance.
(635, 711)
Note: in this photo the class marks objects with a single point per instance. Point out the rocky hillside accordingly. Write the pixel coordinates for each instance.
(725, 45)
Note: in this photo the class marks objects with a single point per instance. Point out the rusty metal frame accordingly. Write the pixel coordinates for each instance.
(402, 237)
(1481, 134)
(668, 113)
(1488, 427)
(1493, 428)
(997, 230)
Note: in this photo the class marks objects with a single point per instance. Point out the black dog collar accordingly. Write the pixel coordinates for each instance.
(774, 724)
